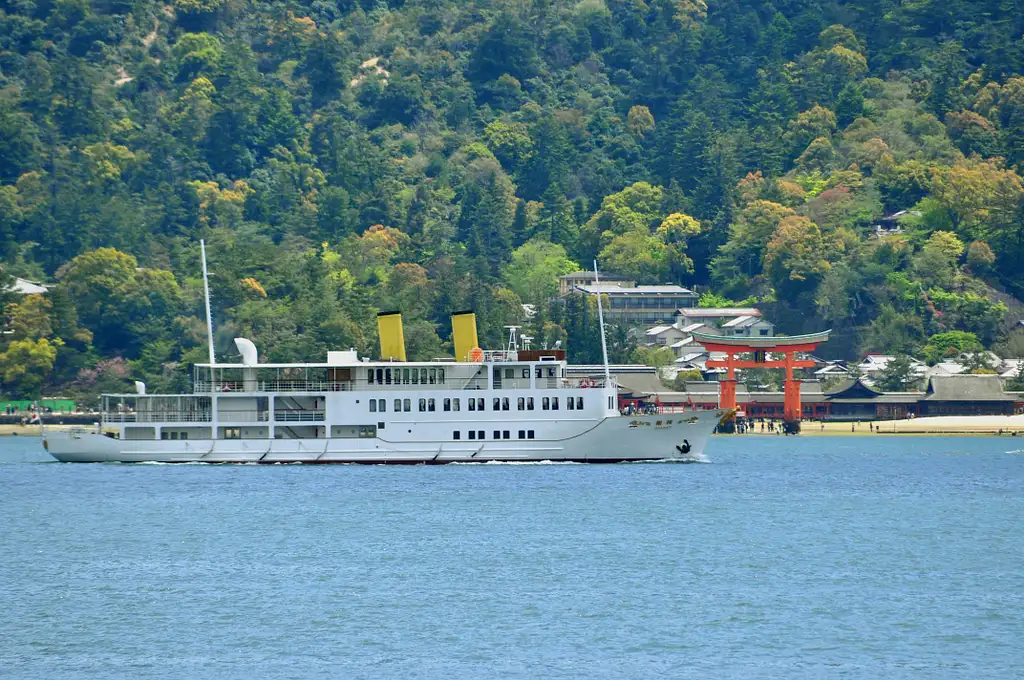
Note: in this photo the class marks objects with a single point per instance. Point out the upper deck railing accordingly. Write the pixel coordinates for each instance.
(477, 383)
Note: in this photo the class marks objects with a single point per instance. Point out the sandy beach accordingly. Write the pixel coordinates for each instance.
(987, 425)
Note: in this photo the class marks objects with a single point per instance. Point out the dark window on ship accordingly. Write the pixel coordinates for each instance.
(569, 403)
(479, 434)
(405, 376)
(496, 404)
(433, 376)
(423, 405)
(480, 404)
(504, 435)
(398, 405)
(554, 403)
(184, 435)
(380, 426)
(415, 377)
(472, 434)
(165, 435)
(373, 406)
(440, 376)
(510, 373)
(497, 434)
(526, 372)
(504, 403)
(387, 376)
(423, 376)
(455, 404)
(579, 403)
(539, 373)
(380, 376)
(551, 373)
(447, 405)
(529, 434)
(408, 404)
(456, 435)
(369, 376)
(545, 404)
(522, 434)
(430, 404)
(472, 404)
(382, 405)
(521, 404)
(529, 403)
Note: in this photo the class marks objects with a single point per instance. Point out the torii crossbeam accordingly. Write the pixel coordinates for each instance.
(760, 347)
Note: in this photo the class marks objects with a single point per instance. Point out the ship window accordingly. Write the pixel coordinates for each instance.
(232, 433)
(479, 434)
(184, 435)
(373, 406)
(433, 376)
(504, 435)
(510, 373)
(472, 434)
(440, 376)
(529, 403)
(164, 435)
(539, 372)
(545, 404)
(380, 426)
(504, 403)
(455, 404)
(554, 403)
(369, 376)
(387, 376)
(522, 434)
(382, 405)
(497, 434)
(521, 404)
(367, 431)
(447, 404)
(423, 405)
(551, 373)
(456, 435)
(472, 404)
(415, 377)
(480, 404)
(380, 376)
(430, 404)
(405, 376)
(398, 405)
(408, 404)
(526, 372)
(423, 376)
(529, 434)
(579, 403)
(611, 406)
(569, 403)
(496, 404)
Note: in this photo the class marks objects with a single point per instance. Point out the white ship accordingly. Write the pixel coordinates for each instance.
(516, 404)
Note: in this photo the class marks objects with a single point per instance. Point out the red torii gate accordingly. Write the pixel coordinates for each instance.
(760, 347)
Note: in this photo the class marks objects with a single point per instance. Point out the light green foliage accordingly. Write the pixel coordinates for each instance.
(24, 364)
(638, 255)
(653, 356)
(534, 270)
(949, 344)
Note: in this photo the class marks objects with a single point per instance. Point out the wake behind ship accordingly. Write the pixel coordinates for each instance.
(515, 404)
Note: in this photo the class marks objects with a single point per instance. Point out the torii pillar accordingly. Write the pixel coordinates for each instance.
(788, 346)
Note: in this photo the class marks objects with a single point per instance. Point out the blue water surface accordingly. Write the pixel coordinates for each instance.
(884, 557)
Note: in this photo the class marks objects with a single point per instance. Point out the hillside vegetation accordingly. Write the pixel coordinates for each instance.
(341, 158)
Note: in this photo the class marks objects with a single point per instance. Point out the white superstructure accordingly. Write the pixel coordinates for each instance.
(511, 405)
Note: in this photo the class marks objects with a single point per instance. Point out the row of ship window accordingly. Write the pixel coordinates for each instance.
(405, 376)
(478, 435)
(476, 404)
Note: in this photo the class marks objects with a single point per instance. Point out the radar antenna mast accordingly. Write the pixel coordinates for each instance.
(600, 320)
(206, 295)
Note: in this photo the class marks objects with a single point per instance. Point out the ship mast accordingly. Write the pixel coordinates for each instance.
(600, 320)
(209, 317)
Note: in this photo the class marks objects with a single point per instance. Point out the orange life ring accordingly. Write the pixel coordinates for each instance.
(476, 354)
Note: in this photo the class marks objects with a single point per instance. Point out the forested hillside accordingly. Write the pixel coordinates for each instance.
(342, 158)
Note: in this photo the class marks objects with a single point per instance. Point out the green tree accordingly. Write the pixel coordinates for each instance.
(534, 270)
(897, 376)
(25, 365)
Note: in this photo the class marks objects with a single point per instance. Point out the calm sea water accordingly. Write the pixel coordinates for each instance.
(783, 558)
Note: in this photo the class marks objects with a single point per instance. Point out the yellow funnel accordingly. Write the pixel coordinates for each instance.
(464, 334)
(392, 338)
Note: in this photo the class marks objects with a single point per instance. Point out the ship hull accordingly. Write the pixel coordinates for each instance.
(678, 437)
